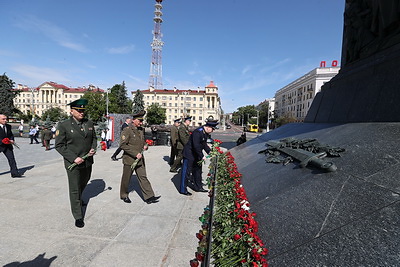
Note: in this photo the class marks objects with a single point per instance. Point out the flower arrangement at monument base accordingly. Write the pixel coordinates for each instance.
(234, 229)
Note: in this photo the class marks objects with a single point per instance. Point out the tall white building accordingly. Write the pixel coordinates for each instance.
(197, 103)
(294, 100)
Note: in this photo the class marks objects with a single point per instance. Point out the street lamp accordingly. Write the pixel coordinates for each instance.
(107, 103)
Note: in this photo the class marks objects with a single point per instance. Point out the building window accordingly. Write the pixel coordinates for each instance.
(170, 98)
(194, 98)
(170, 104)
(176, 104)
(158, 97)
(188, 105)
(164, 98)
(194, 105)
(194, 118)
(176, 111)
(152, 97)
(188, 98)
(194, 111)
(201, 99)
(201, 105)
(164, 104)
(200, 118)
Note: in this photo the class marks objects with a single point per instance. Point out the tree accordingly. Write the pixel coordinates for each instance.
(7, 96)
(118, 100)
(155, 114)
(264, 114)
(54, 114)
(244, 115)
(96, 107)
(138, 103)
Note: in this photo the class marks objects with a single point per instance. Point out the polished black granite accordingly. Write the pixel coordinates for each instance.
(346, 218)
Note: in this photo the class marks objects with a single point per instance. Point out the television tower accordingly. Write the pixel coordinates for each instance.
(155, 81)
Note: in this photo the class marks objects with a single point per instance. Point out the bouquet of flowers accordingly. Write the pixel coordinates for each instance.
(102, 145)
(7, 141)
(133, 166)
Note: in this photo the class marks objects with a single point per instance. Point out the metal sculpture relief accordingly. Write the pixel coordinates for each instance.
(307, 151)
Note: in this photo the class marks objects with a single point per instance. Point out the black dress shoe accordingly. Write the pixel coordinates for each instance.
(187, 194)
(152, 200)
(175, 171)
(202, 190)
(79, 223)
(126, 199)
(18, 175)
(114, 158)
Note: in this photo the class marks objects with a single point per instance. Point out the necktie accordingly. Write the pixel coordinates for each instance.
(3, 127)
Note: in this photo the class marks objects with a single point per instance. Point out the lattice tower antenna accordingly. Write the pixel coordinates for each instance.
(155, 81)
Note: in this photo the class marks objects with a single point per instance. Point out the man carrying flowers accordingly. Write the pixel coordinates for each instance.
(6, 145)
(193, 157)
(76, 141)
(133, 144)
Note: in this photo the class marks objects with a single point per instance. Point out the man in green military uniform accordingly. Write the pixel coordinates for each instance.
(174, 140)
(183, 138)
(76, 141)
(47, 135)
(133, 144)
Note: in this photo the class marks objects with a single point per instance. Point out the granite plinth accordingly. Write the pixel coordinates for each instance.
(345, 218)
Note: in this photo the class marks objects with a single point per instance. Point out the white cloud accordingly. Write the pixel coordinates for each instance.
(39, 75)
(121, 50)
(51, 31)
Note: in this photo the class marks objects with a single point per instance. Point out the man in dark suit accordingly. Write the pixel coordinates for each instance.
(123, 126)
(193, 155)
(7, 149)
(76, 141)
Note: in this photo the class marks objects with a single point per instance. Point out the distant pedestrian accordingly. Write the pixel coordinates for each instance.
(21, 130)
(183, 138)
(174, 140)
(47, 135)
(123, 126)
(242, 139)
(32, 134)
(108, 138)
(133, 144)
(76, 141)
(193, 156)
(53, 131)
(7, 149)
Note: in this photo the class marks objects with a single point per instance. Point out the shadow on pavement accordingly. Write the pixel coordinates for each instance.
(40, 260)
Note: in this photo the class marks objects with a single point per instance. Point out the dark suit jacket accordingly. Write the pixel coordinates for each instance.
(9, 135)
(73, 142)
(196, 144)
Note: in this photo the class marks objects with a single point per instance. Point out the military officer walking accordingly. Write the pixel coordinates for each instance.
(76, 141)
(47, 135)
(174, 141)
(183, 138)
(193, 154)
(133, 144)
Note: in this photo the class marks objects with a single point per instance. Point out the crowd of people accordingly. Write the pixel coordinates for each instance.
(76, 141)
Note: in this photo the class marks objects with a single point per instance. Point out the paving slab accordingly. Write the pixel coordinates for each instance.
(38, 228)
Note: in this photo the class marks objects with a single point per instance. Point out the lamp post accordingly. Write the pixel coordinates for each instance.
(107, 103)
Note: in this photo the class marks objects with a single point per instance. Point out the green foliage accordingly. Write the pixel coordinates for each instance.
(54, 114)
(285, 119)
(118, 100)
(35, 121)
(244, 115)
(96, 107)
(138, 103)
(263, 109)
(7, 96)
(155, 114)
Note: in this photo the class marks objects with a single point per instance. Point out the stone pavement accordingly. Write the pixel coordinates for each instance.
(37, 227)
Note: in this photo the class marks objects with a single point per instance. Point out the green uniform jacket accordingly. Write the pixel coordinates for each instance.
(132, 143)
(73, 141)
(174, 136)
(47, 134)
(183, 136)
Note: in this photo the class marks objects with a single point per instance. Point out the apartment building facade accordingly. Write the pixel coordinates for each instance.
(49, 94)
(198, 103)
(294, 100)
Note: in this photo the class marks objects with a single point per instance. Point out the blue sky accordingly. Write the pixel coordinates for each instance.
(249, 48)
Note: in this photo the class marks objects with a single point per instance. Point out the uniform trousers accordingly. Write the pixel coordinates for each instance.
(11, 160)
(178, 159)
(172, 155)
(144, 183)
(191, 171)
(77, 181)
